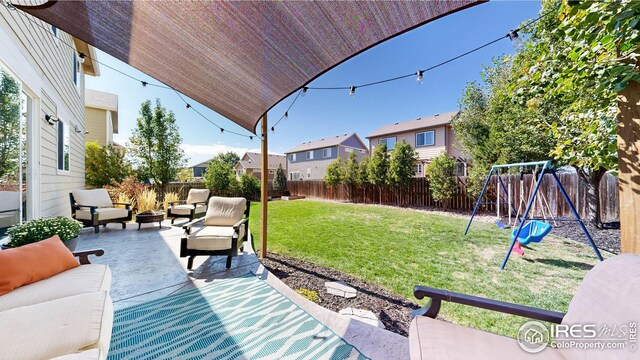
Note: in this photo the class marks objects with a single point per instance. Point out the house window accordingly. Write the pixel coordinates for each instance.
(425, 138)
(326, 153)
(349, 150)
(310, 155)
(294, 175)
(308, 172)
(63, 146)
(292, 157)
(390, 142)
(240, 172)
(417, 168)
(76, 70)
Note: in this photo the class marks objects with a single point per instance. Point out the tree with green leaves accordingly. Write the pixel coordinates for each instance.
(571, 64)
(351, 171)
(105, 165)
(442, 178)
(491, 127)
(9, 124)
(362, 178)
(335, 173)
(185, 174)
(229, 157)
(249, 187)
(155, 144)
(378, 168)
(219, 178)
(401, 167)
(280, 180)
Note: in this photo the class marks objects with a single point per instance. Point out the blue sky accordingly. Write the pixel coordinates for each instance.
(324, 113)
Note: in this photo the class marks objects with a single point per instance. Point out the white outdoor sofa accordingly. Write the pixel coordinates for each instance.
(68, 316)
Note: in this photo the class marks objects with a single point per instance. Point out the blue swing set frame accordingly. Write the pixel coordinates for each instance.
(546, 168)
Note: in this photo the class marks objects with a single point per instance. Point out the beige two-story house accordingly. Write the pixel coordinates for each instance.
(101, 117)
(251, 163)
(430, 136)
(309, 160)
(46, 69)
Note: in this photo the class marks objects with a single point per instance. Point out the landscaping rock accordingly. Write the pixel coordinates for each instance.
(339, 288)
(365, 316)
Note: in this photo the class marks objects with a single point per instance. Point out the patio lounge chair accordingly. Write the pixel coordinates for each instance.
(607, 296)
(95, 208)
(225, 227)
(194, 207)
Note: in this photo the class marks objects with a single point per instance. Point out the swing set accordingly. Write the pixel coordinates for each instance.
(532, 229)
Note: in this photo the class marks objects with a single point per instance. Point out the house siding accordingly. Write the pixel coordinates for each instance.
(43, 64)
(425, 153)
(96, 126)
(318, 166)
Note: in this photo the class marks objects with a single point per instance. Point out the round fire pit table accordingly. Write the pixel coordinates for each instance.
(145, 218)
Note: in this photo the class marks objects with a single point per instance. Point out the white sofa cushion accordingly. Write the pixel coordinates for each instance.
(224, 211)
(58, 327)
(436, 339)
(93, 354)
(103, 214)
(79, 280)
(94, 197)
(186, 209)
(197, 195)
(213, 238)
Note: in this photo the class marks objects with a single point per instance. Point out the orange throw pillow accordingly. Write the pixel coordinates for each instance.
(34, 262)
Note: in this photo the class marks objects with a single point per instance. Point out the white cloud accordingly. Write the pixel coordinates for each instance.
(200, 153)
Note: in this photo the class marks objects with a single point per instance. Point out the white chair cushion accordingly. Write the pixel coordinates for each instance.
(186, 209)
(79, 280)
(436, 339)
(197, 195)
(93, 354)
(94, 197)
(224, 211)
(103, 214)
(213, 238)
(58, 327)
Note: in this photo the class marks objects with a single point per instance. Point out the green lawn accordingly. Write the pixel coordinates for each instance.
(399, 248)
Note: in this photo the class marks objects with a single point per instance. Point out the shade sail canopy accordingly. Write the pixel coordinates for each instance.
(237, 58)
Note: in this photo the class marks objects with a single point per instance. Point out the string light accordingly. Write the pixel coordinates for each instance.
(419, 75)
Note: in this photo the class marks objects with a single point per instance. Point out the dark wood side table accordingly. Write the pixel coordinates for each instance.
(158, 216)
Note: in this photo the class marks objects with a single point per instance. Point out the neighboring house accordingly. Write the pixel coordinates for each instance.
(101, 117)
(199, 169)
(430, 136)
(309, 160)
(251, 164)
(46, 65)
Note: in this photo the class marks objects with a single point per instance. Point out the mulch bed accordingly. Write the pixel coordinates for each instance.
(393, 310)
(607, 238)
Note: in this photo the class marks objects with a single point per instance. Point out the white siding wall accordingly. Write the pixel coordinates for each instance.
(43, 64)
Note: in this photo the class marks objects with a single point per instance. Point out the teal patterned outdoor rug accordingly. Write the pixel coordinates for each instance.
(237, 318)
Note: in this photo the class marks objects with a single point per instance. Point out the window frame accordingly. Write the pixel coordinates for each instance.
(292, 157)
(309, 155)
(433, 137)
(384, 140)
(60, 143)
(330, 151)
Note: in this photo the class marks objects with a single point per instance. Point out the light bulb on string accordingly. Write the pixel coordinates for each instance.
(286, 115)
(515, 38)
(304, 91)
(81, 55)
(144, 83)
(221, 130)
(188, 106)
(352, 91)
(420, 77)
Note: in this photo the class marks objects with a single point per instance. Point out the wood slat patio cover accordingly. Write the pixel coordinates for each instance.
(237, 58)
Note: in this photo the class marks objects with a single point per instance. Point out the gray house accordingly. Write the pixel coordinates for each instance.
(309, 160)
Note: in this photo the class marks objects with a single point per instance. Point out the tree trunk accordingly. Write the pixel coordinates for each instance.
(593, 179)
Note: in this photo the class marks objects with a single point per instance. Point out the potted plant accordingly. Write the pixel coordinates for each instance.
(40, 229)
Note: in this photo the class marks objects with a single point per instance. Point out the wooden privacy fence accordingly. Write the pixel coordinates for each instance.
(182, 188)
(418, 195)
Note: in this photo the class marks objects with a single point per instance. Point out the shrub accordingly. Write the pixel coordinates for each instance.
(40, 229)
(131, 187)
(280, 180)
(147, 201)
(124, 198)
(219, 178)
(249, 187)
(308, 294)
(335, 173)
(104, 165)
(168, 198)
(442, 178)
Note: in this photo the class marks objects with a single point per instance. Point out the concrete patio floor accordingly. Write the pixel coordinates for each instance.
(146, 266)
